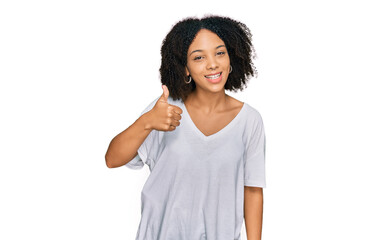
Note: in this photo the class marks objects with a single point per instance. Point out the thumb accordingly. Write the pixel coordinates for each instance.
(165, 93)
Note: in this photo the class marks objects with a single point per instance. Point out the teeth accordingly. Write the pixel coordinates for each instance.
(213, 76)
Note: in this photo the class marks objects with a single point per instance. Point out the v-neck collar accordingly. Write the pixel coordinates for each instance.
(214, 135)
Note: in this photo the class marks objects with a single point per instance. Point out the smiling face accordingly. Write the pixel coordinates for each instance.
(208, 61)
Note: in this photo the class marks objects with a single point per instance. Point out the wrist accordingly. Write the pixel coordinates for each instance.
(146, 117)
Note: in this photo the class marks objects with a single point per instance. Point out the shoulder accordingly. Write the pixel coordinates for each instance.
(251, 112)
(252, 118)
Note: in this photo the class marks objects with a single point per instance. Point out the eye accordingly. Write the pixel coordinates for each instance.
(220, 53)
(197, 58)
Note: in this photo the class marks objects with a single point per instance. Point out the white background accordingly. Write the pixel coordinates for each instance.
(76, 73)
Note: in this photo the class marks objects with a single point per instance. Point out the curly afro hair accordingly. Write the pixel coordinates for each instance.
(235, 35)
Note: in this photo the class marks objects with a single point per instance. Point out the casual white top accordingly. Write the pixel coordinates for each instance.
(195, 189)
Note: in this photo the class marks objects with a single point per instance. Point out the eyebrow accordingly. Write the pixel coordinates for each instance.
(198, 50)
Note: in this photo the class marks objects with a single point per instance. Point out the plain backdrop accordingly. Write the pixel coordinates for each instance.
(76, 73)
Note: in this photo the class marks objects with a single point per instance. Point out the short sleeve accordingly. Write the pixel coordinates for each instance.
(149, 148)
(254, 158)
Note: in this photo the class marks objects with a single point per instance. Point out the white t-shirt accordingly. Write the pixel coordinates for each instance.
(195, 189)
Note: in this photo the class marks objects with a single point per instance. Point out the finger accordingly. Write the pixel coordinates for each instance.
(176, 117)
(176, 123)
(165, 93)
(177, 109)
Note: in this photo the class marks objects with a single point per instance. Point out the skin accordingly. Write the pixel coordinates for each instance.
(253, 212)
(211, 109)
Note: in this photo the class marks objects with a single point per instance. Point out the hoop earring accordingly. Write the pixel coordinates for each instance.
(190, 79)
(230, 69)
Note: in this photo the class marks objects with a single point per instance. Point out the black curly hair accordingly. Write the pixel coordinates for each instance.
(235, 35)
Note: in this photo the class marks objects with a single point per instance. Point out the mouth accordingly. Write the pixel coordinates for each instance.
(213, 76)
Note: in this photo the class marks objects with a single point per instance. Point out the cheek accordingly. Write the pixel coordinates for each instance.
(196, 68)
(226, 60)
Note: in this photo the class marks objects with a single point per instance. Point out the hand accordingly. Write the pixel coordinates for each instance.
(164, 116)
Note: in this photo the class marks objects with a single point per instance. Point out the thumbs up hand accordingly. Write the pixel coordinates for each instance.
(164, 116)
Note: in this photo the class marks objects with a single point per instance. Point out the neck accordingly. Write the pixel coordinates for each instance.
(207, 102)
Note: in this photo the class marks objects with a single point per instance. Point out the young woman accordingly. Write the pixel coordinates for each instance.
(205, 149)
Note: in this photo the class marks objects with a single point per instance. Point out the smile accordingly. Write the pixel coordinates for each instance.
(215, 76)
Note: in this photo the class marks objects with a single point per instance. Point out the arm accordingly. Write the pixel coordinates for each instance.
(125, 145)
(161, 117)
(253, 212)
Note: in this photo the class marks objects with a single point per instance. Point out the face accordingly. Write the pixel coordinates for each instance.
(208, 61)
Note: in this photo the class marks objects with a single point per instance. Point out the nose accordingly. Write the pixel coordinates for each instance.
(212, 63)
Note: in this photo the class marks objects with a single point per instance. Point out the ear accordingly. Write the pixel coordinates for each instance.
(187, 72)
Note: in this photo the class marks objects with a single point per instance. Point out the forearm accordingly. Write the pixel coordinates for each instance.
(253, 212)
(125, 145)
